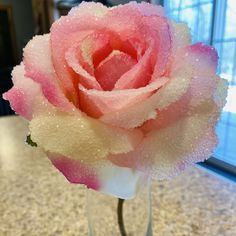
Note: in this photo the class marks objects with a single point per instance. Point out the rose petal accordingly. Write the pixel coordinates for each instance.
(93, 49)
(85, 78)
(89, 8)
(190, 140)
(147, 9)
(136, 115)
(38, 67)
(203, 84)
(76, 171)
(220, 93)
(80, 137)
(139, 75)
(153, 27)
(166, 151)
(64, 32)
(103, 176)
(108, 102)
(112, 68)
(203, 61)
(181, 35)
(68, 78)
(193, 69)
(120, 182)
(124, 21)
(97, 46)
(168, 116)
(205, 52)
(24, 93)
(159, 30)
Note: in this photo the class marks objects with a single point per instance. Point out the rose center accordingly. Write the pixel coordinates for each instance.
(112, 68)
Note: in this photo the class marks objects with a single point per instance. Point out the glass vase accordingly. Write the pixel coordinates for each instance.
(104, 212)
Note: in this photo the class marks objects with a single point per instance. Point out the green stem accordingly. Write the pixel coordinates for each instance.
(120, 217)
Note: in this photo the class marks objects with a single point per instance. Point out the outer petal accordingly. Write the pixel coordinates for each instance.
(171, 149)
(120, 182)
(203, 61)
(103, 176)
(181, 35)
(89, 8)
(80, 137)
(168, 150)
(76, 171)
(38, 67)
(170, 115)
(108, 102)
(24, 94)
(147, 9)
(188, 141)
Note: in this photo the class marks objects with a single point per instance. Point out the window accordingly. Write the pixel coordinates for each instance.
(214, 22)
(197, 14)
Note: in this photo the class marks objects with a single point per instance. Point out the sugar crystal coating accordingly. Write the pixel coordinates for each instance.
(117, 96)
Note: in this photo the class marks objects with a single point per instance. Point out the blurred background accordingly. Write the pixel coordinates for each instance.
(211, 21)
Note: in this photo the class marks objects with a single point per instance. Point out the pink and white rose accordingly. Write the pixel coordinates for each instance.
(118, 96)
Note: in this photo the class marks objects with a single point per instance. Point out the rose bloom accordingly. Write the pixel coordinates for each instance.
(119, 96)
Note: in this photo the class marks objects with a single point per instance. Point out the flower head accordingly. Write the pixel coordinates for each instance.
(116, 96)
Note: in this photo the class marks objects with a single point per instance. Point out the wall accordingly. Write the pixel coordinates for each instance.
(23, 22)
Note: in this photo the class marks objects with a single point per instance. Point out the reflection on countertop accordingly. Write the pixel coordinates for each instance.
(36, 200)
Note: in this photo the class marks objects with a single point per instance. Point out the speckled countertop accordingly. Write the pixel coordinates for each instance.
(36, 200)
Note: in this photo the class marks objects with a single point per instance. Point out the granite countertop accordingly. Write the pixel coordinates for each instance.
(35, 199)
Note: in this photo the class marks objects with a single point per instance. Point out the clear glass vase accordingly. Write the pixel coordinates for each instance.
(103, 216)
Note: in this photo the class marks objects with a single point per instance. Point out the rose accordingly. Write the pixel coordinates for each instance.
(117, 96)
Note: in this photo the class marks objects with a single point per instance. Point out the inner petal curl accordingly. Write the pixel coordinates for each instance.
(96, 61)
(112, 68)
